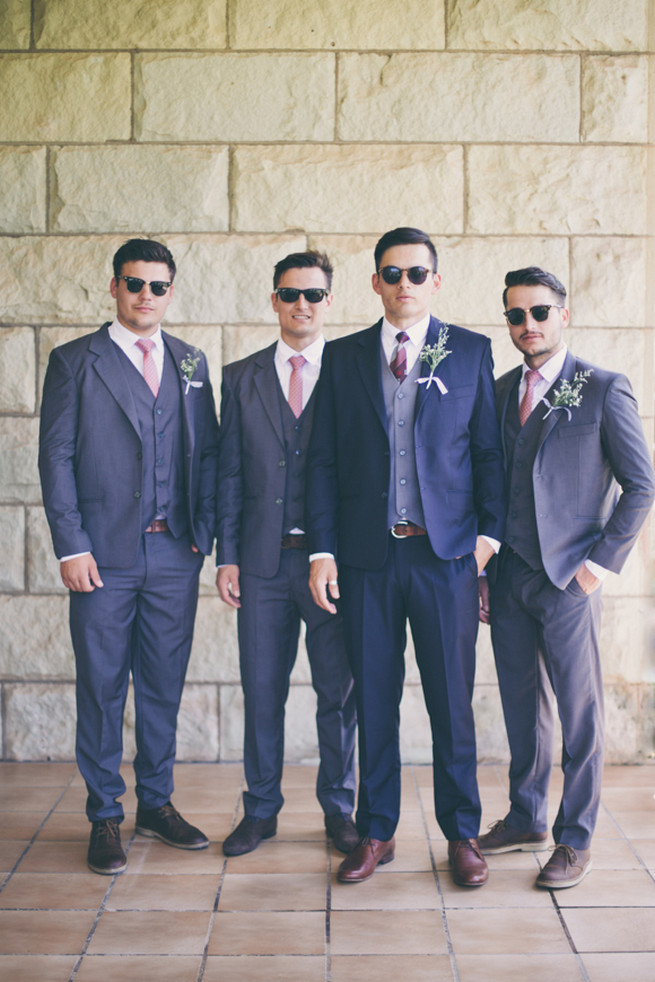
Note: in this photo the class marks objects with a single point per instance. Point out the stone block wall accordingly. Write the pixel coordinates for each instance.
(236, 131)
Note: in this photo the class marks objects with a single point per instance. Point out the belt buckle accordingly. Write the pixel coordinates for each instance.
(395, 525)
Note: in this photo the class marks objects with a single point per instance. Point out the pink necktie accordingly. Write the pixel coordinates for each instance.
(532, 376)
(149, 368)
(295, 384)
(398, 364)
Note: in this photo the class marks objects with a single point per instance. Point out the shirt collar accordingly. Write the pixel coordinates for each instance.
(552, 368)
(312, 353)
(417, 332)
(127, 339)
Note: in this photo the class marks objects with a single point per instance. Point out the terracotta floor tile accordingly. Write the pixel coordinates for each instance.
(161, 891)
(273, 891)
(611, 928)
(611, 888)
(138, 968)
(67, 827)
(53, 774)
(20, 825)
(632, 966)
(617, 800)
(392, 891)
(44, 932)
(520, 862)
(294, 826)
(616, 854)
(18, 798)
(272, 856)
(150, 933)
(512, 931)
(637, 824)
(45, 968)
(54, 891)
(392, 932)
(10, 852)
(56, 857)
(519, 968)
(391, 968)
(645, 849)
(504, 888)
(152, 856)
(268, 933)
(264, 968)
(634, 776)
(298, 776)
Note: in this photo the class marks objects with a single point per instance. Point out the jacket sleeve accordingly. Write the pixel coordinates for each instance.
(229, 496)
(487, 455)
(205, 503)
(322, 496)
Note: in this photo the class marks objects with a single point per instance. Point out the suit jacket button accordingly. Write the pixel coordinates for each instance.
(283, 463)
(278, 501)
(137, 494)
(384, 495)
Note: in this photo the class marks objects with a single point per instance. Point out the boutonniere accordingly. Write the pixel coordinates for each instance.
(569, 394)
(188, 366)
(434, 354)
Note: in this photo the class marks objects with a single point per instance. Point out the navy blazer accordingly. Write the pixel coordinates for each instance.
(90, 451)
(252, 466)
(458, 450)
(592, 477)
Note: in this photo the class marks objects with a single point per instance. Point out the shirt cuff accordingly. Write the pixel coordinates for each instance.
(320, 555)
(76, 555)
(494, 543)
(599, 571)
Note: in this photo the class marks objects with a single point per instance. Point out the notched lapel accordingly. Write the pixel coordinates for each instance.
(368, 366)
(268, 389)
(556, 418)
(110, 371)
(432, 390)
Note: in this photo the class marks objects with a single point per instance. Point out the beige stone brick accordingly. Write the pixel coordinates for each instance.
(558, 25)
(300, 737)
(344, 188)
(12, 536)
(608, 282)
(355, 304)
(14, 24)
(239, 342)
(235, 97)
(42, 564)
(490, 733)
(36, 638)
(65, 97)
(50, 338)
(624, 638)
(197, 723)
(231, 722)
(545, 189)
(215, 653)
(415, 733)
(618, 350)
(226, 279)
(628, 728)
(17, 369)
(468, 97)
(19, 477)
(615, 99)
(124, 24)
(22, 190)
(40, 721)
(124, 189)
(332, 24)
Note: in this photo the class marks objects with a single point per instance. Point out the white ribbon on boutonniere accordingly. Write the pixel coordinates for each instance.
(188, 366)
(568, 395)
(434, 354)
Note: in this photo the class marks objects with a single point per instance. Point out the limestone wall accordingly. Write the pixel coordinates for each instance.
(514, 132)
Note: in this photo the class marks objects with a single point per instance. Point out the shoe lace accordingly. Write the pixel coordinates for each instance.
(569, 852)
(497, 826)
(107, 830)
(169, 811)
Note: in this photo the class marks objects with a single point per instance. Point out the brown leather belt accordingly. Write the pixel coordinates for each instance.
(402, 530)
(294, 540)
(159, 525)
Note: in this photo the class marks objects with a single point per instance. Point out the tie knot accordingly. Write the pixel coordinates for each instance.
(401, 337)
(297, 361)
(145, 344)
(532, 376)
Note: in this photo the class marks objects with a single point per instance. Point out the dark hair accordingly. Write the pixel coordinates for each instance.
(533, 276)
(304, 260)
(143, 250)
(404, 236)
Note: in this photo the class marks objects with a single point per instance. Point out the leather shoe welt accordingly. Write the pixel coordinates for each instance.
(501, 837)
(363, 860)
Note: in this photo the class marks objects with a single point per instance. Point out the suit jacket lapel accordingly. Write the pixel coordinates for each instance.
(368, 365)
(424, 390)
(109, 369)
(177, 350)
(268, 387)
(503, 404)
(553, 419)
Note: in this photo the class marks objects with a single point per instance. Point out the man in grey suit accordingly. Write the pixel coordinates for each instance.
(267, 408)
(580, 485)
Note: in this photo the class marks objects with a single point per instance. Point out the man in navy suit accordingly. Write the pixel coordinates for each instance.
(267, 408)
(580, 484)
(405, 507)
(128, 449)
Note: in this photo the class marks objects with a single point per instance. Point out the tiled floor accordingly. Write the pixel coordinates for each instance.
(279, 914)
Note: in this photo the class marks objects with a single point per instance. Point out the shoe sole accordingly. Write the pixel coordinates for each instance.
(382, 862)
(564, 884)
(107, 872)
(244, 852)
(151, 834)
(518, 847)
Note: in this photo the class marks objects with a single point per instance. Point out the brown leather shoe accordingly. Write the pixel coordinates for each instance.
(565, 868)
(106, 854)
(501, 837)
(362, 861)
(467, 865)
(167, 824)
(341, 829)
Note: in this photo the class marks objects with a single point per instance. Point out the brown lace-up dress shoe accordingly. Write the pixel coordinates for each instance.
(466, 863)
(248, 834)
(363, 860)
(501, 837)
(341, 829)
(565, 868)
(106, 854)
(167, 824)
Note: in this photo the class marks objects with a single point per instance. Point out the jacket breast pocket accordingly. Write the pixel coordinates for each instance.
(571, 430)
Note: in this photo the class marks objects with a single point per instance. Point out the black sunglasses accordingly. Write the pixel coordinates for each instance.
(289, 294)
(135, 285)
(393, 274)
(516, 315)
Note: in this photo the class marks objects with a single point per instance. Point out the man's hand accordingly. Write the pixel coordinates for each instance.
(586, 579)
(483, 590)
(227, 584)
(483, 552)
(80, 574)
(323, 583)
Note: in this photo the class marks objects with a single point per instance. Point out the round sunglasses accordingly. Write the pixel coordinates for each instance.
(135, 285)
(415, 274)
(516, 315)
(289, 294)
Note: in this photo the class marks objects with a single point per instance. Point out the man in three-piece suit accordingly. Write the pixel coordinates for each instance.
(405, 494)
(580, 485)
(267, 408)
(128, 449)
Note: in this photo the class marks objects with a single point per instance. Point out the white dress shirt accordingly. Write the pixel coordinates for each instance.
(310, 371)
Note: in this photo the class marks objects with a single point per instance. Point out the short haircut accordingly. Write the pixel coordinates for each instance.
(304, 260)
(143, 250)
(404, 236)
(533, 276)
